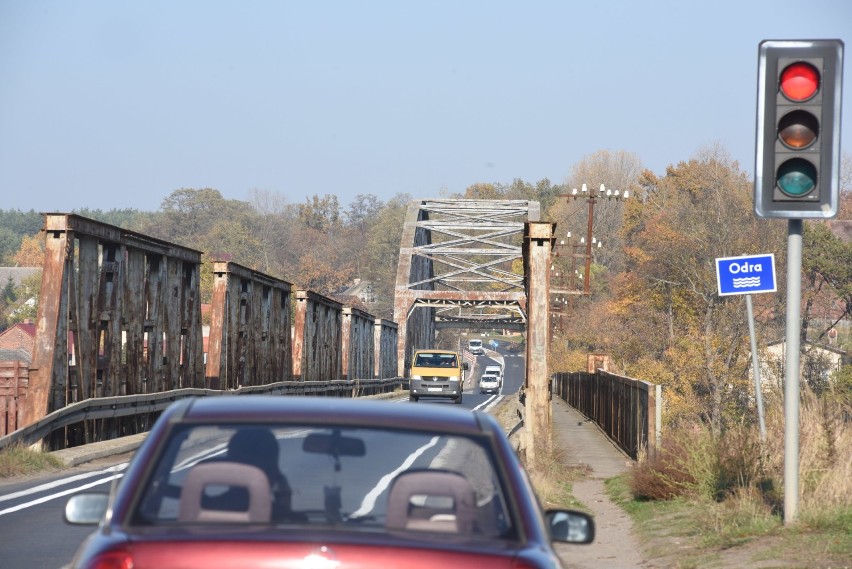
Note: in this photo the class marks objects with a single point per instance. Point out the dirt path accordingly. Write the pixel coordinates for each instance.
(615, 544)
(582, 444)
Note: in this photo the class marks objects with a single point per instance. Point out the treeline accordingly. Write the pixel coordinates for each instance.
(653, 307)
(318, 244)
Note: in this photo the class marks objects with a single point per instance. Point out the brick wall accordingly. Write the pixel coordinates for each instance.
(21, 336)
(14, 378)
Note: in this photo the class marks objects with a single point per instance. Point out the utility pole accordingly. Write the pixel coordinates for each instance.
(538, 243)
(591, 198)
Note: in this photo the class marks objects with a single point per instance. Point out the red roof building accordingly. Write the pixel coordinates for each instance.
(20, 337)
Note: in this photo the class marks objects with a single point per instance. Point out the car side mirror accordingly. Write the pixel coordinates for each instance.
(86, 509)
(465, 366)
(570, 526)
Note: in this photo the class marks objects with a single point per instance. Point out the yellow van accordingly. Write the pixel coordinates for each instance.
(437, 373)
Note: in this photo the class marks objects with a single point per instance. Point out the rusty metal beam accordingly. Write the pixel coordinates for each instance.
(457, 255)
(385, 336)
(358, 344)
(318, 341)
(249, 340)
(118, 314)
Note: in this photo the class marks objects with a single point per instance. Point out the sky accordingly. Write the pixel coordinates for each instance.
(108, 104)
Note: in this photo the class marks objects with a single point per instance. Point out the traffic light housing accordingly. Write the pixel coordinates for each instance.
(797, 166)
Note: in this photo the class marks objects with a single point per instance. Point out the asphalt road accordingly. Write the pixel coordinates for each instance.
(33, 534)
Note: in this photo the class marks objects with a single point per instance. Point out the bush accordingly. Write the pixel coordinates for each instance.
(736, 467)
(686, 465)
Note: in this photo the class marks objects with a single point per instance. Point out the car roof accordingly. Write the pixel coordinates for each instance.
(436, 352)
(329, 411)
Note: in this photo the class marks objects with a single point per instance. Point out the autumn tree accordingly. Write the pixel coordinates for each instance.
(25, 303)
(320, 213)
(382, 246)
(617, 171)
(701, 210)
(31, 252)
(361, 215)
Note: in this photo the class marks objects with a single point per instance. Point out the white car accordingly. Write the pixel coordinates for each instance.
(496, 370)
(489, 383)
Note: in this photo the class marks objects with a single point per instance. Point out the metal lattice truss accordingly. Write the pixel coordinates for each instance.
(463, 258)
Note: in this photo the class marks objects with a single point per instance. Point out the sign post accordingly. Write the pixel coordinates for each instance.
(745, 275)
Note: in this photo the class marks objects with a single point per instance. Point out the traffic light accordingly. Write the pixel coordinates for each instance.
(797, 166)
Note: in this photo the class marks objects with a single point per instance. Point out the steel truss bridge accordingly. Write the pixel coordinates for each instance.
(460, 266)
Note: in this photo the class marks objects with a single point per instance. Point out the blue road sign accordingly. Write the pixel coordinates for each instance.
(746, 275)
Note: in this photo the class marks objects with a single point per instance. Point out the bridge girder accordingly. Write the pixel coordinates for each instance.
(459, 267)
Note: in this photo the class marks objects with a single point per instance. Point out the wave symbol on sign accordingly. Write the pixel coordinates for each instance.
(747, 282)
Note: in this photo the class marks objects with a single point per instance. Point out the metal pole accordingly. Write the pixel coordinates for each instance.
(755, 364)
(658, 415)
(588, 276)
(791, 371)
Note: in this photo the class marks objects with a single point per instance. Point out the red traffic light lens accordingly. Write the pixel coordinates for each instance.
(799, 81)
(798, 129)
(797, 177)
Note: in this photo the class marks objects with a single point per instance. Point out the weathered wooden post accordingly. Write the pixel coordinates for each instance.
(538, 242)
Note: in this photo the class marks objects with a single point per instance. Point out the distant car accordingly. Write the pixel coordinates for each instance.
(437, 373)
(496, 370)
(489, 382)
(475, 347)
(277, 481)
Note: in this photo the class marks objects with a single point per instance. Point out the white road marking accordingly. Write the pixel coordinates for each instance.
(62, 482)
(369, 501)
(50, 497)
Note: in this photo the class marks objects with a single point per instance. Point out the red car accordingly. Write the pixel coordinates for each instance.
(314, 483)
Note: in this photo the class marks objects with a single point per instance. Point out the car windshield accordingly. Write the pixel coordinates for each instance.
(435, 360)
(362, 479)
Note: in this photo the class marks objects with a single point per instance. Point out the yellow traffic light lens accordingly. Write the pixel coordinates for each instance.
(799, 81)
(798, 129)
(797, 177)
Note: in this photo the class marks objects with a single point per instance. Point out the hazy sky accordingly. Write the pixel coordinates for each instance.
(113, 104)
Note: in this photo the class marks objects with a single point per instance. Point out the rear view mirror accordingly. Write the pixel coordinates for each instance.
(334, 445)
(571, 526)
(86, 509)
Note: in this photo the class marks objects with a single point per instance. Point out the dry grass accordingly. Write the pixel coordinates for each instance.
(733, 486)
(694, 464)
(551, 479)
(17, 460)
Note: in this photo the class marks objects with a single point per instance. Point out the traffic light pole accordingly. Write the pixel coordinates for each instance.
(791, 370)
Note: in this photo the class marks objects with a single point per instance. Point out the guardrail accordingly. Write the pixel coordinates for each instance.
(140, 410)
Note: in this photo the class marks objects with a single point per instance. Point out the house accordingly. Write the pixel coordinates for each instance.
(817, 363)
(17, 342)
(361, 290)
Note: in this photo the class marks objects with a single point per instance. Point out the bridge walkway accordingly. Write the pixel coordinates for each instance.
(581, 443)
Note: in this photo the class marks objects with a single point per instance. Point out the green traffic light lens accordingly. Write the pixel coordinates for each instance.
(798, 129)
(797, 177)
